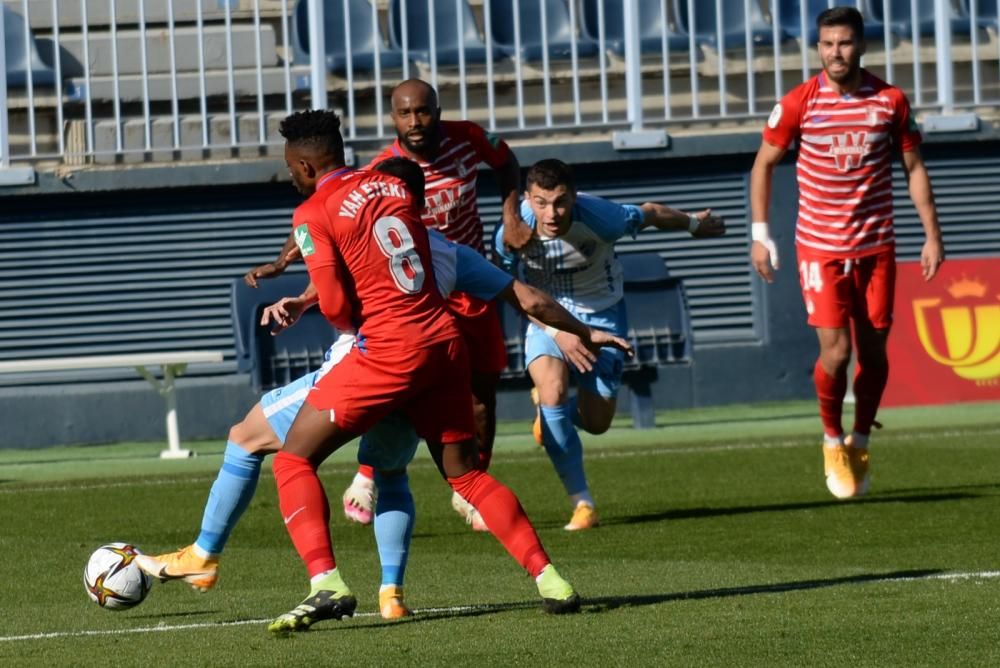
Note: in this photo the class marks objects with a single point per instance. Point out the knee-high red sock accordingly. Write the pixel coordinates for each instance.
(306, 511)
(869, 382)
(505, 517)
(830, 391)
(366, 471)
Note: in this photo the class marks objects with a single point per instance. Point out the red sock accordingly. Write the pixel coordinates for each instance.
(306, 511)
(830, 391)
(869, 382)
(366, 471)
(505, 517)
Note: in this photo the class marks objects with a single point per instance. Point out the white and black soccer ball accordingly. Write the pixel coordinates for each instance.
(113, 579)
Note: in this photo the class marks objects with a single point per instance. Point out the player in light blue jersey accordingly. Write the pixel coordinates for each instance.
(388, 447)
(572, 258)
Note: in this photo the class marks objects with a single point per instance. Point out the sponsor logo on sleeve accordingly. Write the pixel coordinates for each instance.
(304, 241)
(775, 117)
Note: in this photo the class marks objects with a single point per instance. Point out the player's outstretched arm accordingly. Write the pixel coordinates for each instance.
(701, 225)
(276, 268)
(932, 254)
(763, 251)
(286, 312)
(550, 314)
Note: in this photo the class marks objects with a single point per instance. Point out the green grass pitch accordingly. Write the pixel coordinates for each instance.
(719, 547)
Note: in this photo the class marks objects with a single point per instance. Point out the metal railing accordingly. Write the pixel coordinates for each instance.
(143, 81)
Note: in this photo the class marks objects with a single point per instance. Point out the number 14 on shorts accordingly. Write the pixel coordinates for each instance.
(811, 276)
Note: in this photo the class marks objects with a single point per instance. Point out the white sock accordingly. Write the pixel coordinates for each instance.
(833, 441)
(320, 576)
(582, 497)
(201, 553)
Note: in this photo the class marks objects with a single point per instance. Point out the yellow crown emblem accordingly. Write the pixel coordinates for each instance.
(966, 287)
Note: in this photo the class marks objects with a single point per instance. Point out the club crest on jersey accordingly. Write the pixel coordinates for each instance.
(463, 171)
(849, 149)
(304, 241)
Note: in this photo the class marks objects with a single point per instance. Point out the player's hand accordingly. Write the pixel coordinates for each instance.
(931, 257)
(283, 314)
(576, 351)
(516, 233)
(762, 255)
(267, 270)
(602, 339)
(709, 225)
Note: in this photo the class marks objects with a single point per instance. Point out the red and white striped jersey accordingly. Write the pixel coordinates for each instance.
(844, 167)
(450, 189)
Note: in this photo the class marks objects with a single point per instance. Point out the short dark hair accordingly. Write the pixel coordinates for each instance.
(842, 16)
(549, 174)
(409, 173)
(317, 129)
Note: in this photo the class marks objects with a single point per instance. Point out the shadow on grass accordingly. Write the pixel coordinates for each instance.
(695, 513)
(190, 614)
(665, 421)
(607, 603)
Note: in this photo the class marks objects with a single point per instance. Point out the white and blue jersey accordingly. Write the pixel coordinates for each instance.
(580, 270)
(391, 444)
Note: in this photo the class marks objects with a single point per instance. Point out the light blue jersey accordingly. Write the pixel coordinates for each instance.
(391, 444)
(578, 269)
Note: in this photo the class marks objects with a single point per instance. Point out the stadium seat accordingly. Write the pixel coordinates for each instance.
(447, 43)
(901, 21)
(986, 12)
(733, 23)
(789, 16)
(659, 329)
(559, 30)
(14, 46)
(366, 39)
(652, 25)
(273, 361)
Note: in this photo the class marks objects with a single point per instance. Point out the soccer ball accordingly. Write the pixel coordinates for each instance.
(112, 578)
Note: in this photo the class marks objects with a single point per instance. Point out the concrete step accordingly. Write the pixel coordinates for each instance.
(127, 11)
(158, 50)
(160, 85)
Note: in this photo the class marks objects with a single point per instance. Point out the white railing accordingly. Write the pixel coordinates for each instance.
(160, 80)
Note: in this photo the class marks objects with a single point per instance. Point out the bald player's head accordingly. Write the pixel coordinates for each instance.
(417, 116)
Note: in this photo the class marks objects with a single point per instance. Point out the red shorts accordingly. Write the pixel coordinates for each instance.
(838, 290)
(430, 386)
(483, 336)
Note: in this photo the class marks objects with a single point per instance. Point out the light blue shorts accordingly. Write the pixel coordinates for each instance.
(388, 446)
(606, 376)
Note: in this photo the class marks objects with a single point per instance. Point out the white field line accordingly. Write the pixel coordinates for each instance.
(593, 453)
(164, 628)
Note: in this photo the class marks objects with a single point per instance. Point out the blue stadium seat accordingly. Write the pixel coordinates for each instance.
(986, 12)
(733, 24)
(901, 21)
(659, 327)
(652, 25)
(447, 23)
(14, 45)
(559, 30)
(273, 361)
(789, 14)
(366, 39)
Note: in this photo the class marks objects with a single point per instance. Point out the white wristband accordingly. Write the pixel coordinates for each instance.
(551, 331)
(759, 232)
(693, 223)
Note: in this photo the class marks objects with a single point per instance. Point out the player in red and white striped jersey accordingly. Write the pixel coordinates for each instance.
(848, 125)
(449, 153)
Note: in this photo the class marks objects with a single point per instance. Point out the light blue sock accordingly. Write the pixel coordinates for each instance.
(230, 496)
(562, 442)
(394, 517)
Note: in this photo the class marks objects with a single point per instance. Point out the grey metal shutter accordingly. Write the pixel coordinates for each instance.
(967, 192)
(127, 282)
